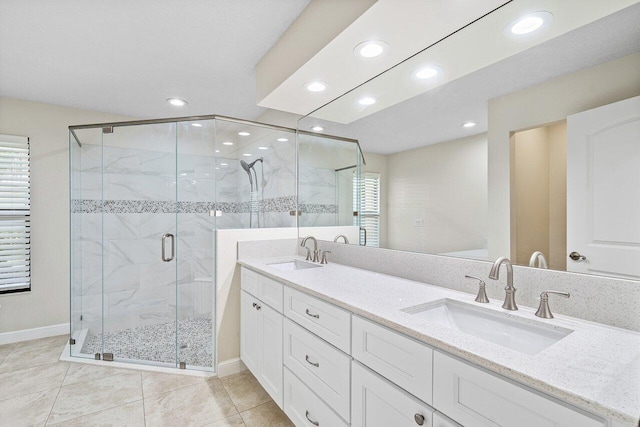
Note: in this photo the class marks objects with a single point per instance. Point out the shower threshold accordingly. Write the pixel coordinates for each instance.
(150, 345)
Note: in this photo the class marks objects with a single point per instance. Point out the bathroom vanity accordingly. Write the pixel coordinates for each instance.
(335, 346)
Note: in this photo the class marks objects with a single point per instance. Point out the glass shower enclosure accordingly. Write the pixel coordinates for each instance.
(152, 200)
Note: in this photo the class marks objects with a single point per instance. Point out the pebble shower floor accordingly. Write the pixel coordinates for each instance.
(157, 343)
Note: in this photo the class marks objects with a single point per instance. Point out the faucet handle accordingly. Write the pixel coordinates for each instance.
(543, 309)
(324, 257)
(308, 253)
(482, 294)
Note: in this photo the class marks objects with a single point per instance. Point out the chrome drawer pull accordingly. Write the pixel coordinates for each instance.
(316, 364)
(254, 305)
(258, 307)
(317, 316)
(315, 423)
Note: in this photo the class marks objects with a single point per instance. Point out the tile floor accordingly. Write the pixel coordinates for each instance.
(37, 390)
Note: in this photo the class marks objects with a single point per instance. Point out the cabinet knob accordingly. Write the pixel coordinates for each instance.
(254, 305)
(419, 419)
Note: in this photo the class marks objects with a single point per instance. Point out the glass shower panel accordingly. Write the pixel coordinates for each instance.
(195, 244)
(255, 175)
(139, 239)
(328, 174)
(85, 186)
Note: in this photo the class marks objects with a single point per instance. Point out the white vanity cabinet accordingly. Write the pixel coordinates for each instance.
(475, 397)
(327, 367)
(261, 334)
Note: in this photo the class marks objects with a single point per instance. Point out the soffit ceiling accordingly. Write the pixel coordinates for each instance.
(401, 121)
(127, 57)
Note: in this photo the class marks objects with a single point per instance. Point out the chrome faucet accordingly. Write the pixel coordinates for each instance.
(346, 241)
(510, 297)
(316, 256)
(539, 257)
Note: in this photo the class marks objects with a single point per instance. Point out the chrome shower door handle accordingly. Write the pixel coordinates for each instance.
(173, 247)
(365, 235)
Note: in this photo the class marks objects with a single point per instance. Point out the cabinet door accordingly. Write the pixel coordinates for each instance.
(270, 330)
(250, 340)
(474, 397)
(378, 403)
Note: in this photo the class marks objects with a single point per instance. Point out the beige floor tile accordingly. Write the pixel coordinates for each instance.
(87, 397)
(80, 372)
(4, 352)
(154, 383)
(266, 415)
(28, 410)
(21, 382)
(232, 421)
(190, 406)
(35, 352)
(127, 415)
(245, 390)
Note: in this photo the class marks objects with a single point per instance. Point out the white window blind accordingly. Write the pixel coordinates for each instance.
(367, 189)
(15, 206)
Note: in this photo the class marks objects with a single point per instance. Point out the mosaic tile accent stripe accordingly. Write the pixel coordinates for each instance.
(278, 204)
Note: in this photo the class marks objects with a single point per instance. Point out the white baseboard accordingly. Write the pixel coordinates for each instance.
(34, 334)
(231, 366)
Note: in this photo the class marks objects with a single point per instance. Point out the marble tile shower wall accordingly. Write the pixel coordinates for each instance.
(123, 280)
(318, 193)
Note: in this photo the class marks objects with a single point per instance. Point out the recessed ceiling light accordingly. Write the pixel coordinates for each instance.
(224, 164)
(468, 124)
(317, 128)
(371, 48)
(529, 23)
(227, 143)
(263, 148)
(316, 86)
(427, 72)
(246, 154)
(177, 102)
(197, 125)
(243, 133)
(283, 139)
(367, 100)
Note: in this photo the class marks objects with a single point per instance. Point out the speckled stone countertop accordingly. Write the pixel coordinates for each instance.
(596, 367)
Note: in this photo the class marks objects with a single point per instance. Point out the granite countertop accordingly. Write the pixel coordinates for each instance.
(596, 367)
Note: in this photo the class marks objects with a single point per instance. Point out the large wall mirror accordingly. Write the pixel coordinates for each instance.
(518, 136)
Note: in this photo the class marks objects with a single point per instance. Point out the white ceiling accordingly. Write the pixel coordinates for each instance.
(127, 57)
(436, 115)
(407, 26)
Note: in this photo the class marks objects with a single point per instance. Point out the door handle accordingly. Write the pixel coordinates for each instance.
(365, 235)
(576, 256)
(173, 247)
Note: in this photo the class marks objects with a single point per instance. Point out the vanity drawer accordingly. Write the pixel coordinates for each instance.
(304, 408)
(267, 290)
(322, 367)
(378, 403)
(400, 359)
(472, 396)
(323, 319)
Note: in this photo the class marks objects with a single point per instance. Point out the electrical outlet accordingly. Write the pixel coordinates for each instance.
(418, 222)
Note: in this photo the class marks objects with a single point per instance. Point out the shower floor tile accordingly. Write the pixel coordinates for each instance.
(157, 343)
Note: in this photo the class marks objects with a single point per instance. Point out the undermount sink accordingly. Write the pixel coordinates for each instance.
(528, 337)
(293, 265)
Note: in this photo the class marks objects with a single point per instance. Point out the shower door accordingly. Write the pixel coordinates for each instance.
(139, 240)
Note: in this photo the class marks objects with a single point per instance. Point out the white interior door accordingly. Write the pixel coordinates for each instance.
(603, 190)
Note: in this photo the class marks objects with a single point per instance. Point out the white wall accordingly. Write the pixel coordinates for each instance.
(445, 186)
(539, 105)
(46, 126)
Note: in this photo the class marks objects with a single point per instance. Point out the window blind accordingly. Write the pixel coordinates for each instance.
(15, 209)
(367, 190)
